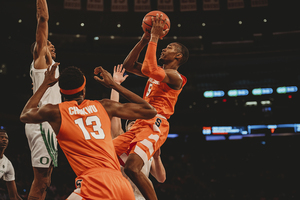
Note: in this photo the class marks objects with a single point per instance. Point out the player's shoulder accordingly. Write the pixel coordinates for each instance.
(39, 64)
(173, 72)
(4, 158)
(5, 161)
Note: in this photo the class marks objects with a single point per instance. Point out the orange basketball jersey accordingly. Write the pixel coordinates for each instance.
(85, 136)
(161, 96)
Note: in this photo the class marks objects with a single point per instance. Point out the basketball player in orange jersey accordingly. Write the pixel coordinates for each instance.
(162, 89)
(41, 137)
(83, 131)
(154, 165)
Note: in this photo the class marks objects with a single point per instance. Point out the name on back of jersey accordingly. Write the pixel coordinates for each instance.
(83, 111)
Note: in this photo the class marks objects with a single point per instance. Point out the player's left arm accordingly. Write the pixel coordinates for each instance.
(41, 55)
(157, 168)
(118, 76)
(12, 190)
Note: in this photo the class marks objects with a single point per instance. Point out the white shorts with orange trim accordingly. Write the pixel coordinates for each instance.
(144, 138)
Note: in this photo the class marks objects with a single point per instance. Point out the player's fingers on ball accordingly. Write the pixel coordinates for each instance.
(152, 18)
(157, 16)
(164, 21)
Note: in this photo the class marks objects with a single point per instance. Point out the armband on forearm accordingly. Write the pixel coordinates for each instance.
(149, 67)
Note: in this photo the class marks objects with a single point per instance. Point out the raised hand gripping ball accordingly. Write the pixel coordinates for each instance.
(147, 21)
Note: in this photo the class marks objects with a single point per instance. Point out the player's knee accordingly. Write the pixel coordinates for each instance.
(43, 182)
(42, 178)
(48, 182)
(133, 166)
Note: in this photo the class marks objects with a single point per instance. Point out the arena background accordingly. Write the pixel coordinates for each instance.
(217, 151)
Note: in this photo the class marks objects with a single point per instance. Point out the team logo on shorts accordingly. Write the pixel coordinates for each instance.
(44, 160)
(78, 183)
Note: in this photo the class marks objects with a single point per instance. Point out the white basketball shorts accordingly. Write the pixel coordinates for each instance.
(42, 143)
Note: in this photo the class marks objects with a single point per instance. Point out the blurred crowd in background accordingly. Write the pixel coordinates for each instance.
(265, 168)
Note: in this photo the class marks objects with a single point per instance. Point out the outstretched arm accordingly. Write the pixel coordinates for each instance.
(130, 63)
(137, 109)
(12, 190)
(118, 76)
(157, 168)
(41, 55)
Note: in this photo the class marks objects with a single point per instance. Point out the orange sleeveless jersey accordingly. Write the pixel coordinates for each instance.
(161, 96)
(85, 136)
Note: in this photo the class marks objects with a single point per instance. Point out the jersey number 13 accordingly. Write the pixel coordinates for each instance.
(97, 132)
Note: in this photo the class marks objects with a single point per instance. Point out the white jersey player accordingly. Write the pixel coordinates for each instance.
(41, 138)
(7, 172)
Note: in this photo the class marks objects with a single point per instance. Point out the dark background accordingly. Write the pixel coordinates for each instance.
(224, 55)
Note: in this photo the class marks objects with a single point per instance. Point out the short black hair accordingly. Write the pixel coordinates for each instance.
(69, 79)
(185, 53)
(3, 131)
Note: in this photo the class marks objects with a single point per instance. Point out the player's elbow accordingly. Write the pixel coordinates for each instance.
(23, 118)
(42, 17)
(130, 66)
(161, 179)
(156, 73)
(145, 70)
(150, 113)
(127, 64)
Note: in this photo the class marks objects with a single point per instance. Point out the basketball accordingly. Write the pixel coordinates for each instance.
(147, 21)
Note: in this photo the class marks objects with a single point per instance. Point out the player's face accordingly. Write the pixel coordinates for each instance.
(169, 53)
(51, 49)
(3, 140)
